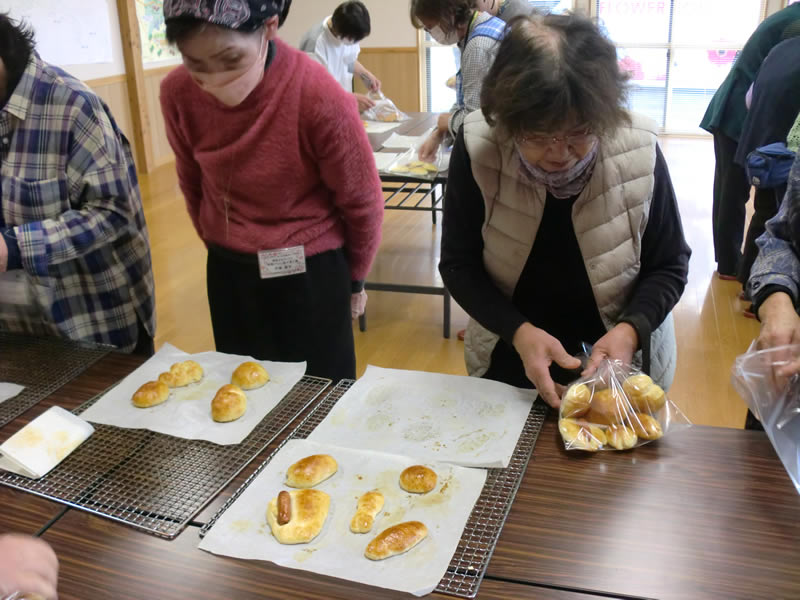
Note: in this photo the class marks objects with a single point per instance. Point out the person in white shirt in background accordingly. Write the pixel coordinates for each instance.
(334, 43)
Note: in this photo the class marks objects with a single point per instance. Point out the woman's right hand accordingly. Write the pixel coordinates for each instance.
(27, 565)
(538, 350)
(780, 326)
(427, 152)
(364, 102)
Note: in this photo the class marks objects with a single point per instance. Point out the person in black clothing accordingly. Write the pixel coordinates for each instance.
(774, 108)
(556, 146)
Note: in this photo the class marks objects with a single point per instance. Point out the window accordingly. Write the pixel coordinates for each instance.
(677, 52)
(441, 63)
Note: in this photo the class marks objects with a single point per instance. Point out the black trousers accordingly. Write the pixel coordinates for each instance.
(303, 317)
(731, 192)
(765, 204)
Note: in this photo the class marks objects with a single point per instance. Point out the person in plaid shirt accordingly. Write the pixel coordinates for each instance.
(74, 250)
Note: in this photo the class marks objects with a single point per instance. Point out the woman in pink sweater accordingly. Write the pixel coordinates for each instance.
(279, 180)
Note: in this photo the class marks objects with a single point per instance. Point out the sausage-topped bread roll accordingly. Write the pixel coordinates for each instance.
(298, 516)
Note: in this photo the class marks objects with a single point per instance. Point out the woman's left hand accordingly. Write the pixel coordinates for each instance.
(427, 152)
(358, 304)
(618, 344)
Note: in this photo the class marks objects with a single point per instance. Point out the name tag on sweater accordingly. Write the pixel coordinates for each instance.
(282, 263)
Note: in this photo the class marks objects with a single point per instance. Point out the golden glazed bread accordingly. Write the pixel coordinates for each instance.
(608, 407)
(229, 404)
(150, 394)
(249, 376)
(182, 374)
(576, 401)
(645, 396)
(418, 479)
(646, 427)
(311, 470)
(581, 437)
(621, 437)
(395, 540)
(369, 505)
(307, 514)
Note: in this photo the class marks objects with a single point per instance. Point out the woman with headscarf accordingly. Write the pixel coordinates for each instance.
(279, 180)
(561, 224)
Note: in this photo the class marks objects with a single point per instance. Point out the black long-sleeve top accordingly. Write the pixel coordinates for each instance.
(553, 291)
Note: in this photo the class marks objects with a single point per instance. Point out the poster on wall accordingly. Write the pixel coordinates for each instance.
(155, 48)
(68, 32)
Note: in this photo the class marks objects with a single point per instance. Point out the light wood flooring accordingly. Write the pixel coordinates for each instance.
(405, 331)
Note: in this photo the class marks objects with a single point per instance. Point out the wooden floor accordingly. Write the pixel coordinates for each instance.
(405, 331)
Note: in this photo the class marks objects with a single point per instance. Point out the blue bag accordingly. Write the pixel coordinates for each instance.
(768, 166)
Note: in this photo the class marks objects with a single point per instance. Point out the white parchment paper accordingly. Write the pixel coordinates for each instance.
(406, 141)
(384, 159)
(380, 126)
(187, 411)
(466, 421)
(9, 390)
(242, 530)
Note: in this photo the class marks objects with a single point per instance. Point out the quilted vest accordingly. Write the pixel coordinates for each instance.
(609, 217)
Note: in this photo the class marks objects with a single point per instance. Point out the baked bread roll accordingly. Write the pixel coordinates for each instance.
(581, 437)
(182, 374)
(249, 376)
(369, 505)
(229, 404)
(311, 470)
(395, 540)
(646, 427)
(608, 407)
(621, 437)
(307, 514)
(418, 479)
(576, 401)
(150, 394)
(645, 396)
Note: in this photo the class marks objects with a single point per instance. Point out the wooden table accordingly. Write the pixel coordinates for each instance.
(408, 193)
(706, 513)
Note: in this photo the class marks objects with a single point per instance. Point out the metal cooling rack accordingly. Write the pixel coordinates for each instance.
(157, 482)
(42, 365)
(471, 558)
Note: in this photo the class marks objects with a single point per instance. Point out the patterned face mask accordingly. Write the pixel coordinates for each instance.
(562, 184)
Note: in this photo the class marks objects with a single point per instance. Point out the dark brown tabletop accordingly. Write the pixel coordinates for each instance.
(706, 513)
(25, 513)
(102, 559)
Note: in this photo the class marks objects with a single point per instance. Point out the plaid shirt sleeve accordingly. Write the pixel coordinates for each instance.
(476, 60)
(778, 263)
(97, 176)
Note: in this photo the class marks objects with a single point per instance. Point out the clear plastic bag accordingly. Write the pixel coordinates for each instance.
(408, 164)
(616, 408)
(774, 400)
(384, 110)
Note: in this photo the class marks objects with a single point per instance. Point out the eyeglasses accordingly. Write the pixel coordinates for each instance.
(579, 138)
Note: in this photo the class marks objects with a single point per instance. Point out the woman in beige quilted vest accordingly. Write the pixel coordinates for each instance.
(561, 226)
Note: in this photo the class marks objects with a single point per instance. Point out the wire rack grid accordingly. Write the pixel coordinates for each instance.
(42, 365)
(157, 482)
(471, 558)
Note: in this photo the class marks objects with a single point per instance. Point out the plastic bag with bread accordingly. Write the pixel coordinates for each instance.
(384, 110)
(408, 164)
(616, 408)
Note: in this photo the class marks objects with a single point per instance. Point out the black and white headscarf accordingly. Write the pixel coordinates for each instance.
(242, 15)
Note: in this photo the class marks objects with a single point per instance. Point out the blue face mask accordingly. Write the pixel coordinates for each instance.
(562, 184)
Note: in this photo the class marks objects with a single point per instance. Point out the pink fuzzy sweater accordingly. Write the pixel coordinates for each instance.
(293, 161)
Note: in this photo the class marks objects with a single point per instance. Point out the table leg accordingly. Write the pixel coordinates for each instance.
(362, 322)
(446, 297)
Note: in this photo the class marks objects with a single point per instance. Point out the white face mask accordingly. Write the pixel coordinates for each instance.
(445, 39)
(232, 87)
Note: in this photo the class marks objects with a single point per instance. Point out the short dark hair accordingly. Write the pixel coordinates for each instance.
(553, 68)
(16, 46)
(450, 13)
(351, 21)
